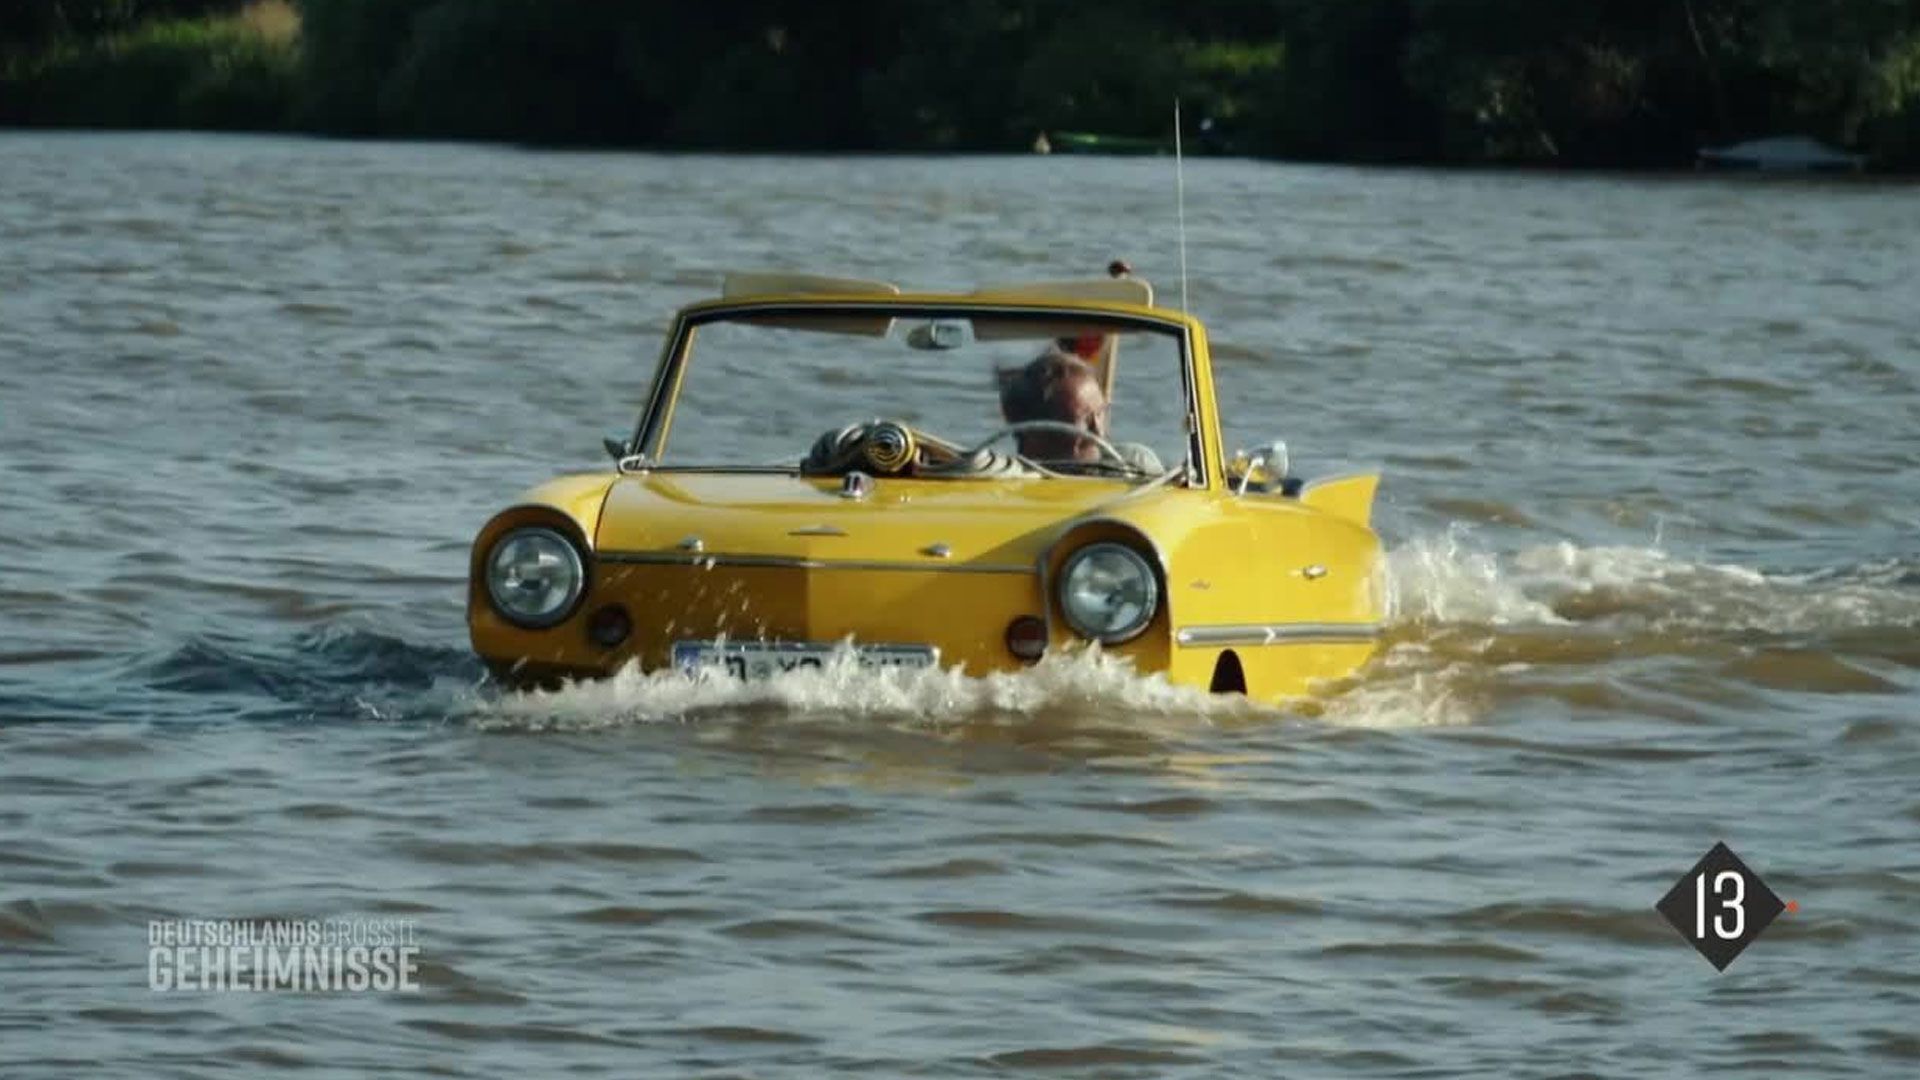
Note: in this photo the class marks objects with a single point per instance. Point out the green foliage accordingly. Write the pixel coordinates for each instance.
(349, 49)
(1890, 121)
(1099, 70)
(1576, 82)
(503, 70)
(32, 25)
(788, 81)
(215, 74)
(944, 82)
(1344, 91)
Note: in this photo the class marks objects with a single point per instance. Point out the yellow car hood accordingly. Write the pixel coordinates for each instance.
(997, 521)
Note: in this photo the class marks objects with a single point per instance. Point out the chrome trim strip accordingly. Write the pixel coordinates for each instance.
(1276, 633)
(938, 305)
(793, 562)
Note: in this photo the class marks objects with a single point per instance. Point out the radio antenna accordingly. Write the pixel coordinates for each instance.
(1180, 202)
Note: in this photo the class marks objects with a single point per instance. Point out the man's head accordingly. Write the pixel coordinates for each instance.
(1056, 386)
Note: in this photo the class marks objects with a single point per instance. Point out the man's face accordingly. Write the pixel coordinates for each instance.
(1075, 400)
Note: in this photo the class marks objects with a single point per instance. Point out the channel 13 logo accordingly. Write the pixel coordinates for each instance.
(1721, 906)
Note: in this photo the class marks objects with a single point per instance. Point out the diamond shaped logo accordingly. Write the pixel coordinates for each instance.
(1720, 906)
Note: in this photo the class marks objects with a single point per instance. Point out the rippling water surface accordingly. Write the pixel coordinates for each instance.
(1650, 454)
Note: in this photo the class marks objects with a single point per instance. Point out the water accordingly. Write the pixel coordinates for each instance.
(1649, 453)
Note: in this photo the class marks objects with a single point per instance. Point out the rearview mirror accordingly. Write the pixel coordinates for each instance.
(940, 336)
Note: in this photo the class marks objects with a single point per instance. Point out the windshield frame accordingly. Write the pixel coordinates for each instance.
(656, 417)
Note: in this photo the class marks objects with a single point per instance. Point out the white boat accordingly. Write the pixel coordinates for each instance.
(1782, 153)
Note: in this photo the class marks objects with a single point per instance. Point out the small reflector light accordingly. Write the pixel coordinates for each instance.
(1027, 638)
(609, 626)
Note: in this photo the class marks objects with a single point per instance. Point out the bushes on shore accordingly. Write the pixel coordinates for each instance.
(1586, 82)
(225, 72)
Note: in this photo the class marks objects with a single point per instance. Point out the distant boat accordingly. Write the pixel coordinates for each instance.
(1782, 153)
(1084, 142)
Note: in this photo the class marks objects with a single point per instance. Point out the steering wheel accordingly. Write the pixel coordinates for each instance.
(1107, 449)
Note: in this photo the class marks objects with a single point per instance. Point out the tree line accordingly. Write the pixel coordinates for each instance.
(1568, 82)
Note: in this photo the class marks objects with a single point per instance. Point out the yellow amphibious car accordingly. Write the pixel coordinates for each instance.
(733, 536)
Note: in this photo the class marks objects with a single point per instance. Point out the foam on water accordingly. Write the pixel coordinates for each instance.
(1444, 580)
(1466, 624)
(1086, 683)
(1452, 606)
(234, 675)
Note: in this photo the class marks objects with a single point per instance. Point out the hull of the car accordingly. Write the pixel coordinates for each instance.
(1263, 594)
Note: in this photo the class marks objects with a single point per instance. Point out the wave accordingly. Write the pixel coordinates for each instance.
(331, 672)
(1468, 627)
(1463, 622)
(1081, 690)
(1442, 580)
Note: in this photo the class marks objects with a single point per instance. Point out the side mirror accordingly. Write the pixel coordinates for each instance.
(615, 447)
(1265, 469)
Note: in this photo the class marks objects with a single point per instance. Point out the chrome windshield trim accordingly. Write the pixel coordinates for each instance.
(793, 562)
(1276, 633)
(663, 395)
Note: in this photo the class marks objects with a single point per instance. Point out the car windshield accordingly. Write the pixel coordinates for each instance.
(769, 390)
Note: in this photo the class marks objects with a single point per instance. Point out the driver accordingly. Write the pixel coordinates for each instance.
(1059, 386)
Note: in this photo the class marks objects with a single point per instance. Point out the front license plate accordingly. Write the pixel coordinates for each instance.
(765, 659)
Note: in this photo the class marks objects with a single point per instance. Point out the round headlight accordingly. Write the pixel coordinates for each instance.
(534, 576)
(1108, 592)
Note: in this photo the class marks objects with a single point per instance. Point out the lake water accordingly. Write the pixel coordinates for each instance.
(1650, 455)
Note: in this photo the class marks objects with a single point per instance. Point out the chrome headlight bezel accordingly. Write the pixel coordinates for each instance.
(567, 555)
(1148, 592)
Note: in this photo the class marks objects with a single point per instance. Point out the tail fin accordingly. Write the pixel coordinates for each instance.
(1349, 497)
